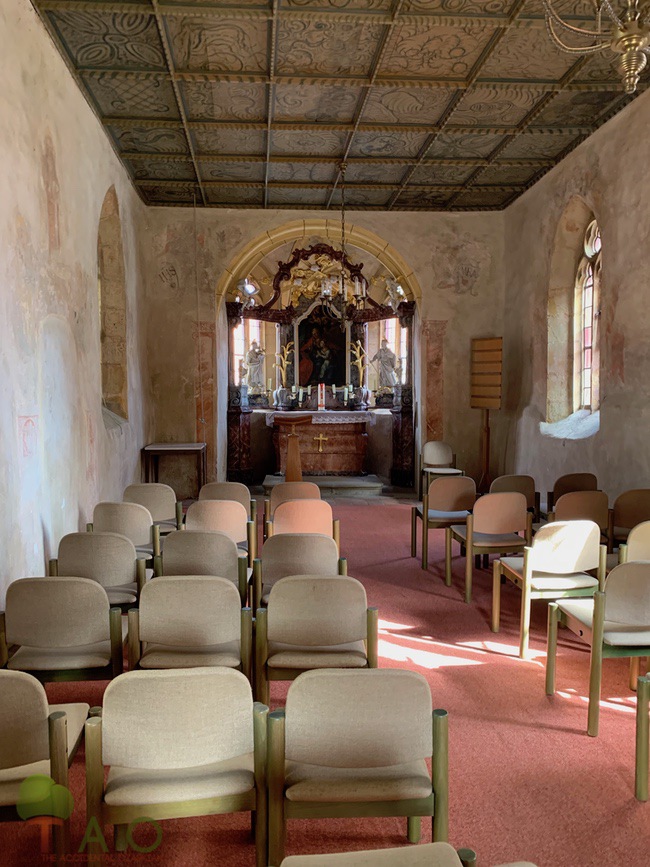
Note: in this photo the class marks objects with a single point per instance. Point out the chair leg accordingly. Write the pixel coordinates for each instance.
(595, 677)
(551, 647)
(634, 671)
(642, 728)
(425, 543)
(119, 833)
(469, 574)
(524, 620)
(448, 557)
(413, 829)
(496, 596)
(414, 525)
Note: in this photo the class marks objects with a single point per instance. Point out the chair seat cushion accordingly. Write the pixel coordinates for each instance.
(147, 550)
(126, 786)
(424, 855)
(443, 471)
(498, 541)
(351, 655)
(549, 581)
(11, 778)
(52, 658)
(448, 517)
(122, 594)
(615, 634)
(394, 783)
(173, 656)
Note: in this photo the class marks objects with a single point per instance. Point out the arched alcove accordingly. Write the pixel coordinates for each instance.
(112, 307)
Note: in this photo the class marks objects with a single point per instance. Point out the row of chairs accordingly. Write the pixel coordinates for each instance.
(194, 742)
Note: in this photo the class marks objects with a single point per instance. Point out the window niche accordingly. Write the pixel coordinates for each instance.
(112, 307)
(572, 400)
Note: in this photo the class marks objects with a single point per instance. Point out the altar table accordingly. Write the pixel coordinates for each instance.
(332, 444)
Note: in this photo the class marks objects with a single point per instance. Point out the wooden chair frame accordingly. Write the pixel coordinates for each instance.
(140, 578)
(245, 666)
(106, 672)
(599, 651)
(257, 582)
(523, 582)
(281, 808)
(255, 800)
(426, 526)
(642, 732)
(473, 549)
(264, 674)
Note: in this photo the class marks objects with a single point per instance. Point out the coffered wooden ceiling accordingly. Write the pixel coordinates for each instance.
(433, 104)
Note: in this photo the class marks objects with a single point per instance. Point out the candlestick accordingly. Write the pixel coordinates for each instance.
(345, 394)
(300, 393)
(309, 391)
(334, 392)
(293, 389)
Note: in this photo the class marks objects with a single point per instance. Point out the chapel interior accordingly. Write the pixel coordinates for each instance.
(380, 266)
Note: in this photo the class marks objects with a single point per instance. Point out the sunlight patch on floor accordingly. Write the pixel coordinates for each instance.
(420, 657)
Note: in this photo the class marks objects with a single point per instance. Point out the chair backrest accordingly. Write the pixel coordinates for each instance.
(227, 491)
(506, 512)
(583, 506)
(358, 719)
(631, 508)
(521, 484)
(314, 611)
(224, 516)
(303, 516)
(453, 494)
(158, 499)
(298, 554)
(23, 720)
(638, 542)
(627, 594)
(566, 546)
(161, 720)
(191, 610)
(56, 612)
(435, 453)
(189, 552)
(574, 482)
(108, 558)
(129, 519)
(293, 491)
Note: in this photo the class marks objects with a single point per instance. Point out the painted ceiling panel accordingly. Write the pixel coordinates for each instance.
(465, 102)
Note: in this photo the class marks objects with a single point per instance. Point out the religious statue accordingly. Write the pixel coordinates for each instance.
(255, 365)
(387, 365)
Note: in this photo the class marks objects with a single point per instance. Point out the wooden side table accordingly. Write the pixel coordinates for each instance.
(151, 456)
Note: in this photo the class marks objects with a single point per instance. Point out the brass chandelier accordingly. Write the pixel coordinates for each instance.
(626, 33)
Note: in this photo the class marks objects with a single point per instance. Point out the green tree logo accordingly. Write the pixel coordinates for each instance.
(44, 803)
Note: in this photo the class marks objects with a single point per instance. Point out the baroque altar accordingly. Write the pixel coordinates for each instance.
(332, 444)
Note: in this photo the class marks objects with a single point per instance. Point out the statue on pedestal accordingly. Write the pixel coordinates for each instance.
(387, 365)
(255, 366)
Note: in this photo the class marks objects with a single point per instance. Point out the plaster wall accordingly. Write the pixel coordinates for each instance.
(457, 259)
(607, 173)
(57, 459)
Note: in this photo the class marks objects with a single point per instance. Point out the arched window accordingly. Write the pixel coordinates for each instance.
(586, 313)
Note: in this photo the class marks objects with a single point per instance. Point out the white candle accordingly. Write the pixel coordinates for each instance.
(293, 389)
(300, 392)
(345, 394)
(334, 391)
(309, 391)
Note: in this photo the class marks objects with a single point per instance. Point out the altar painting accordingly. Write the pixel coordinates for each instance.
(322, 350)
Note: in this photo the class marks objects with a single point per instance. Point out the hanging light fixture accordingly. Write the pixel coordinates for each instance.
(247, 290)
(626, 33)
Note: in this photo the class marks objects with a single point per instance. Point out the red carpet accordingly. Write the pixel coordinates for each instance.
(525, 780)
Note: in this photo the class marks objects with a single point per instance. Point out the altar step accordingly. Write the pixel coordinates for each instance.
(335, 486)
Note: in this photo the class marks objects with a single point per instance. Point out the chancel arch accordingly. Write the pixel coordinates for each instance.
(285, 290)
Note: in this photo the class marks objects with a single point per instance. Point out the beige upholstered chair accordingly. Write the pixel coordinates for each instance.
(178, 744)
(614, 623)
(231, 491)
(304, 516)
(499, 524)
(224, 516)
(566, 559)
(569, 483)
(583, 506)
(355, 743)
(190, 622)
(108, 558)
(427, 855)
(637, 546)
(288, 491)
(630, 508)
(436, 461)
(160, 500)
(131, 520)
(642, 738)
(35, 738)
(294, 554)
(61, 629)
(188, 552)
(313, 622)
(446, 502)
(522, 484)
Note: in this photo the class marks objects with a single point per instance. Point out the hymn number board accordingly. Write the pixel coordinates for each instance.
(486, 372)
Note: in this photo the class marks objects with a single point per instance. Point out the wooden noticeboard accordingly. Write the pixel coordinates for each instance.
(486, 373)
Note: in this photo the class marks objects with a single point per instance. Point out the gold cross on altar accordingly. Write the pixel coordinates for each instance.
(320, 439)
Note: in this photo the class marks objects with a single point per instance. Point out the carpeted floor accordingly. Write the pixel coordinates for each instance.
(525, 780)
